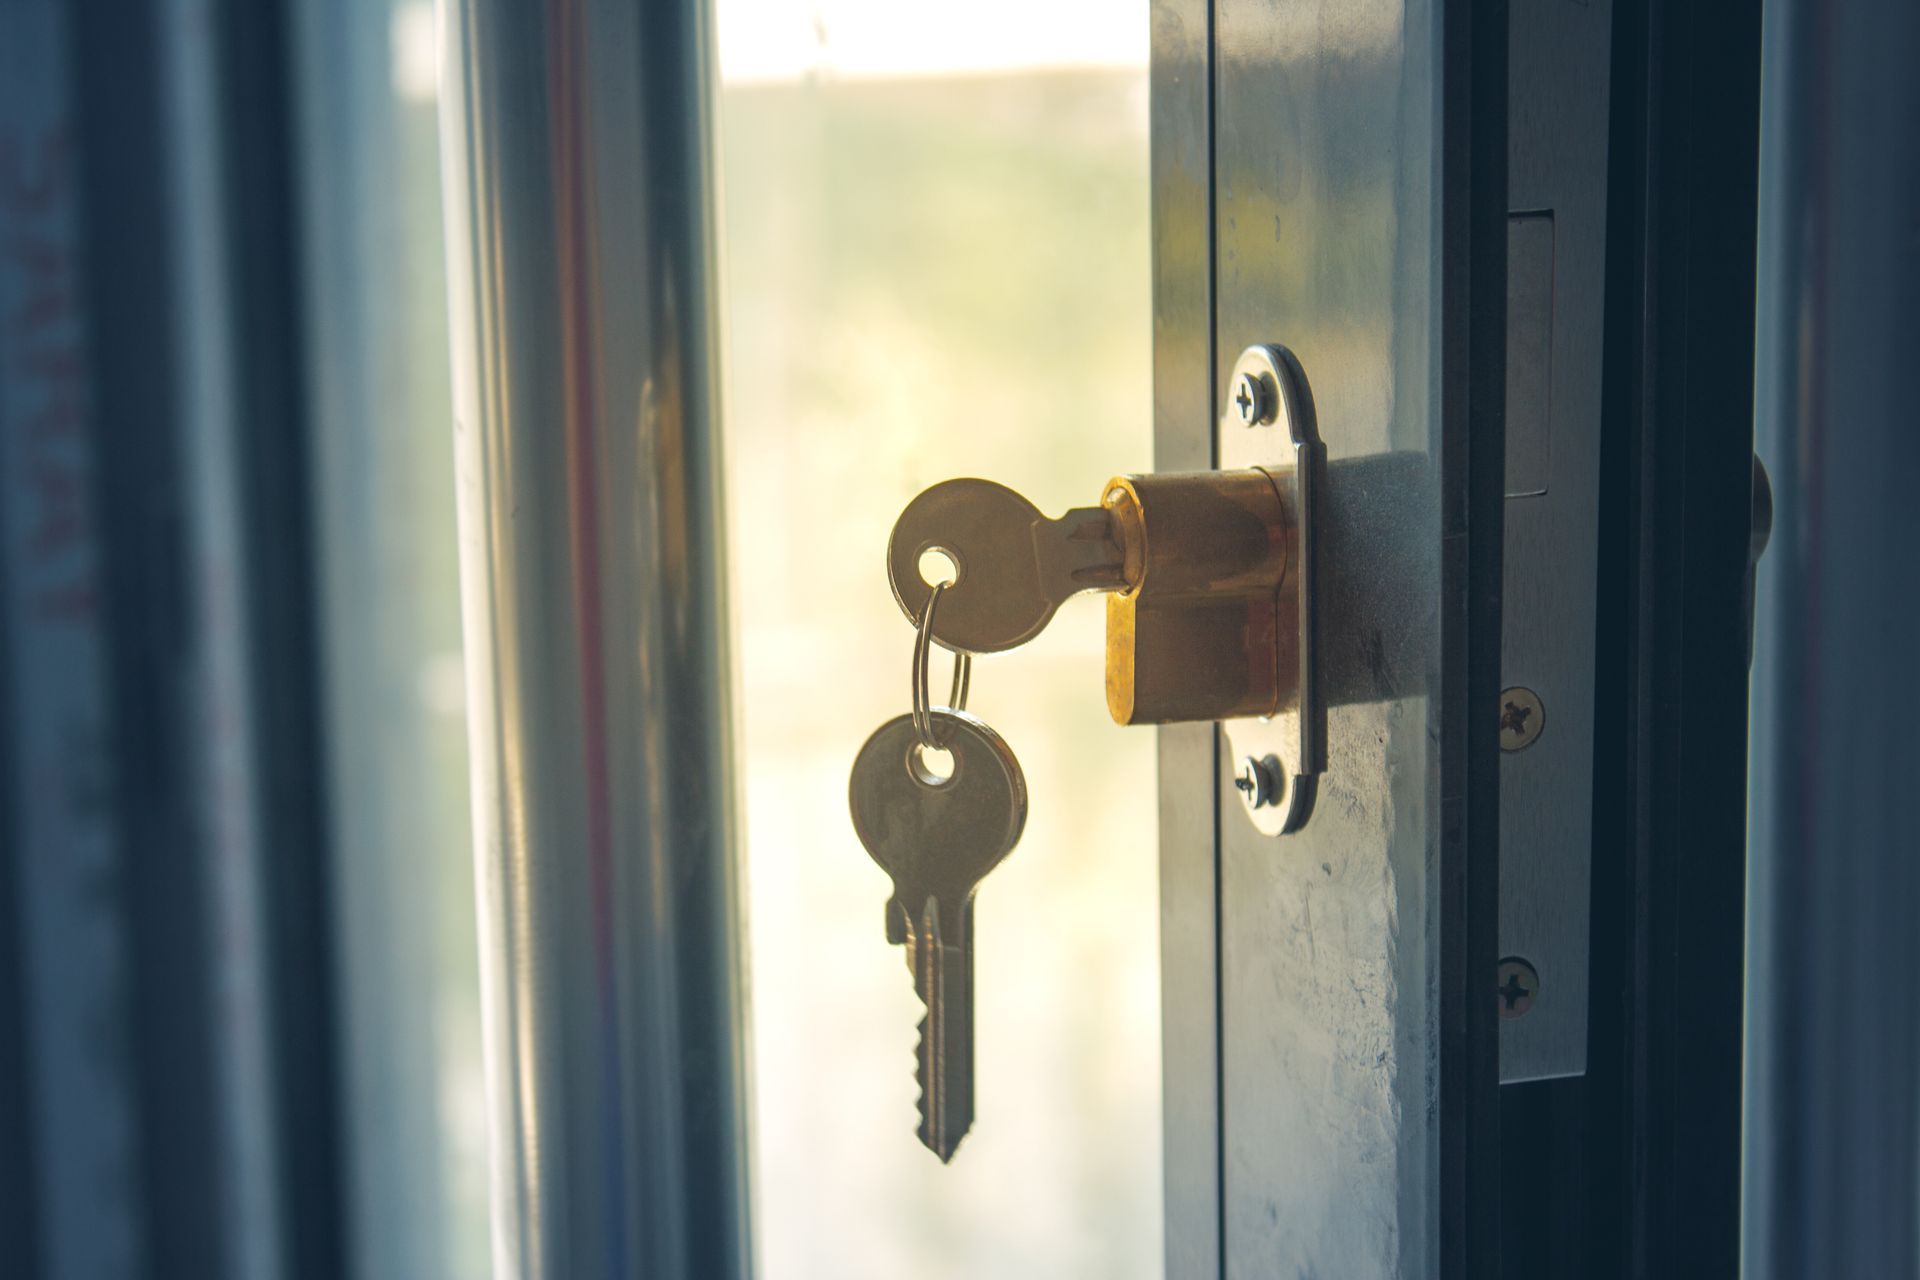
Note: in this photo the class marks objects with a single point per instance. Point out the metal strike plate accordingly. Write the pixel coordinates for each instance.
(1269, 423)
(1551, 544)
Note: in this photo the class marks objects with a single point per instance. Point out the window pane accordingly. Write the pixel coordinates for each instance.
(936, 263)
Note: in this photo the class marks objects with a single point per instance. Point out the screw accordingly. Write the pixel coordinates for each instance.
(1260, 782)
(1522, 717)
(1250, 401)
(1519, 987)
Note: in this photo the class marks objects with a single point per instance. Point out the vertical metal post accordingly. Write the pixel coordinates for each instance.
(1183, 411)
(578, 192)
(1833, 1047)
(163, 813)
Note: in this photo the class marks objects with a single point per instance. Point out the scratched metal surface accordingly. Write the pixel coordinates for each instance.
(1326, 230)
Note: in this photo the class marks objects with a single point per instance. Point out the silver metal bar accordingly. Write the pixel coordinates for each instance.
(578, 198)
(1833, 1048)
(1181, 81)
(1556, 286)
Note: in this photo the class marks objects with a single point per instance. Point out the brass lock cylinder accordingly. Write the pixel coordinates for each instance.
(1201, 630)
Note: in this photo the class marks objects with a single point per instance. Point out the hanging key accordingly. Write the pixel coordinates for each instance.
(1013, 566)
(937, 837)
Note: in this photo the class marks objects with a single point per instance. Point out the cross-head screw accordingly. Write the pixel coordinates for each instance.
(1260, 782)
(1518, 987)
(1251, 402)
(1522, 716)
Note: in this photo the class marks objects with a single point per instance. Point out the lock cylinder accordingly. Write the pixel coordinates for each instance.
(1201, 629)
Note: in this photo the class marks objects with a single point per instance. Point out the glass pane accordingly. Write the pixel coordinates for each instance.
(936, 264)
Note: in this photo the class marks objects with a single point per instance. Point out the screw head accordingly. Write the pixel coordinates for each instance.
(1251, 403)
(1522, 717)
(1517, 988)
(1260, 782)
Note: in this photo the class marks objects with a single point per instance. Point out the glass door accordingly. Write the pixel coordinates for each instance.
(935, 261)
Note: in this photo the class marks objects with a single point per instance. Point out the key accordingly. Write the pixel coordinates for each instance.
(937, 838)
(1014, 566)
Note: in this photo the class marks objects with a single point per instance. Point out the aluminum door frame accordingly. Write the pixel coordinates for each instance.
(1330, 1078)
(1634, 1168)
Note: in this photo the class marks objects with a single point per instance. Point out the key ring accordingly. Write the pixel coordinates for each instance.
(922, 698)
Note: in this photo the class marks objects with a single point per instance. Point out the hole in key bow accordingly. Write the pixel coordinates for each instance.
(939, 565)
(930, 766)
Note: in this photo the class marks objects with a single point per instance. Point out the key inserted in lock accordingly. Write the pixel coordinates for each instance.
(1211, 576)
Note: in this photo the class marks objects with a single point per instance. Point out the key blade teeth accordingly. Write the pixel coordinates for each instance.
(936, 1131)
(926, 1074)
(944, 1058)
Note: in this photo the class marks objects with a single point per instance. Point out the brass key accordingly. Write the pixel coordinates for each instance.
(937, 837)
(1013, 566)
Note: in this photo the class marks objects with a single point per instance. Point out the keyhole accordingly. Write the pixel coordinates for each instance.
(939, 565)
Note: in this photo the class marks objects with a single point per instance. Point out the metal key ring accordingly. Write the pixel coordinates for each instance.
(922, 698)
